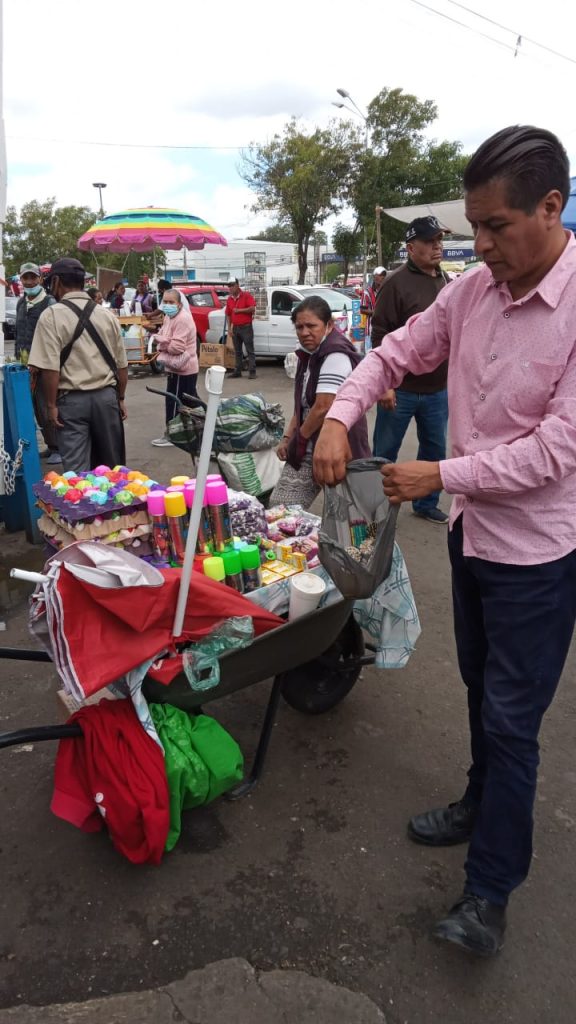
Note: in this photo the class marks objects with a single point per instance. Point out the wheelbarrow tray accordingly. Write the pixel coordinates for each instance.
(272, 654)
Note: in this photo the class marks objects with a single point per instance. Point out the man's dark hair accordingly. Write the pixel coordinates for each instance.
(315, 305)
(92, 292)
(72, 280)
(530, 161)
(163, 284)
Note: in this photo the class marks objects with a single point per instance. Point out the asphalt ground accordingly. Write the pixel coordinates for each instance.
(313, 871)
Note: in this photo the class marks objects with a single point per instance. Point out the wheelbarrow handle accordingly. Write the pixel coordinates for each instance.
(192, 399)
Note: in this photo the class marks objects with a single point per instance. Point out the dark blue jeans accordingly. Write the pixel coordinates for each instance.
(431, 415)
(513, 626)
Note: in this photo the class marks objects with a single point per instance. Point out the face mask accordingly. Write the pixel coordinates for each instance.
(31, 292)
(170, 308)
(307, 350)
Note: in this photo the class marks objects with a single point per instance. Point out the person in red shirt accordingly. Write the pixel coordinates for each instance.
(240, 309)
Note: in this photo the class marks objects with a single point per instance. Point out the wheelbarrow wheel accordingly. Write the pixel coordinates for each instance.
(320, 685)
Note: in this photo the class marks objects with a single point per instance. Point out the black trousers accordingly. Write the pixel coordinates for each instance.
(179, 384)
(513, 626)
(93, 430)
(243, 336)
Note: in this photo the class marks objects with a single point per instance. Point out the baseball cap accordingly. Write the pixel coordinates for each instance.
(423, 227)
(232, 280)
(65, 265)
(30, 268)
(379, 270)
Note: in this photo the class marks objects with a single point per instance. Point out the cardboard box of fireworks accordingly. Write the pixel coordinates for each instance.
(214, 354)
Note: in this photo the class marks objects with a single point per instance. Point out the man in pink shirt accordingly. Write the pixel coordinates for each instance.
(509, 333)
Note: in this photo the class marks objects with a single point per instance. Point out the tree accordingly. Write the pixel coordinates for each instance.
(400, 166)
(302, 178)
(347, 244)
(275, 233)
(41, 232)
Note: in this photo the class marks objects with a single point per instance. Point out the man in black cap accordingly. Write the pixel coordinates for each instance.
(408, 291)
(78, 347)
(29, 309)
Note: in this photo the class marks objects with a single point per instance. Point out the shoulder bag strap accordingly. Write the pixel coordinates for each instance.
(84, 324)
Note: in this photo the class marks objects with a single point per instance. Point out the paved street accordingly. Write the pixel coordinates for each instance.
(313, 871)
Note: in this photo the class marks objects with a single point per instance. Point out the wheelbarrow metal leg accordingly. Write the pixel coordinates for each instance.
(245, 787)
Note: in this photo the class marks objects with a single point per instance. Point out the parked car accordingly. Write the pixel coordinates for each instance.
(9, 325)
(274, 334)
(203, 299)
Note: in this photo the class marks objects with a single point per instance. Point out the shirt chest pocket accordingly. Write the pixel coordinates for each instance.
(530, 384)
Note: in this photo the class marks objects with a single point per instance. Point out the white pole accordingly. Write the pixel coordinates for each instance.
(214, 384)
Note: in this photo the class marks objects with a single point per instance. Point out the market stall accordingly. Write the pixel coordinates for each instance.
(164, 596)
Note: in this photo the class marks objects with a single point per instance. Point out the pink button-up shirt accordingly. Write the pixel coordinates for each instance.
(512, 402)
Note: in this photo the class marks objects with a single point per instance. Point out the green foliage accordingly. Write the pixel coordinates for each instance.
(275, 233)
(400, 166)
(347, 244)
(302, 178)
(42, 232)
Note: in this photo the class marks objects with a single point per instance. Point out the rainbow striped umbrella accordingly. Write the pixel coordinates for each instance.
(143, 229)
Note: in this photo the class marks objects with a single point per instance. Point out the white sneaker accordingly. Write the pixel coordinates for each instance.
(162, 442)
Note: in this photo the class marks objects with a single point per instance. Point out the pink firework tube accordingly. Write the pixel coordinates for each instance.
(217, 497)
(160, 532)
(204, 542)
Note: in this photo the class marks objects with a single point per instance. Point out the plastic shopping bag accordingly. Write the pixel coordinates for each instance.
(356, 538)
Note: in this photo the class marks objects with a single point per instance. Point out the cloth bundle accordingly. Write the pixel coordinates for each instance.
(95, 634)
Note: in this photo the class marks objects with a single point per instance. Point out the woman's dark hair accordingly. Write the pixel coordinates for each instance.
(315, 305)
(117, 285)
(530, 161)
(92, 292)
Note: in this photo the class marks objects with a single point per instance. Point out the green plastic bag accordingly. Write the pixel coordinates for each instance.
(202, 761)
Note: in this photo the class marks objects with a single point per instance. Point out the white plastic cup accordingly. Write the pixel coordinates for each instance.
(306, 589)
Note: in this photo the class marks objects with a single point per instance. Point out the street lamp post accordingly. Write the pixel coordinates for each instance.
(100, 185)
(355, 109)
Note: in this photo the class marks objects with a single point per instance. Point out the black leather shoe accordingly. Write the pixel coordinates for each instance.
(445, 826)
(475, 925)
(235, 374)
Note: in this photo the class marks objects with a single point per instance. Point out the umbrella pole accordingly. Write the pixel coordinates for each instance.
(214, 385)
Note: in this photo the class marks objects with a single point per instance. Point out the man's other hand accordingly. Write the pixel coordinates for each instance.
(53, 417)
(332, 453)
(388, 400)
(404, 481)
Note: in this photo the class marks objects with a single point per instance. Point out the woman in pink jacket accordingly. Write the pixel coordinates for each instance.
(176, 346)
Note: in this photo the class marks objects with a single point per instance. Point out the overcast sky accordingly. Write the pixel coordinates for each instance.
(219, 77)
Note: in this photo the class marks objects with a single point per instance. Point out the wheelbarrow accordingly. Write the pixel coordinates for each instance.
(334, 656)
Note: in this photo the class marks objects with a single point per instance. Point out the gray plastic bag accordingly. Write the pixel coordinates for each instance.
(356, 537)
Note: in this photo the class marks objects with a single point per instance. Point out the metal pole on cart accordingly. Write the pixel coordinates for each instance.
(214, 384)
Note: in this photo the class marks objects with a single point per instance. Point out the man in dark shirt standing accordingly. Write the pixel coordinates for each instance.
(408, 291)
(240, 310)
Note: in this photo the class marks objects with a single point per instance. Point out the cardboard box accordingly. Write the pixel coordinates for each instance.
(216, 355)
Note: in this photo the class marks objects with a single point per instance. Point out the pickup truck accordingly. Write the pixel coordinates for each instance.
(274, 334)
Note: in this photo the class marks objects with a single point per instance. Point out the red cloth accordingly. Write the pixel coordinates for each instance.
(234, 307)
(110, 632)
(114, 774)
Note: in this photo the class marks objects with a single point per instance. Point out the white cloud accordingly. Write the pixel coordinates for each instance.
(130, 77)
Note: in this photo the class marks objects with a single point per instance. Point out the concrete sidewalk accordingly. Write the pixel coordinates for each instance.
(223, 992)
